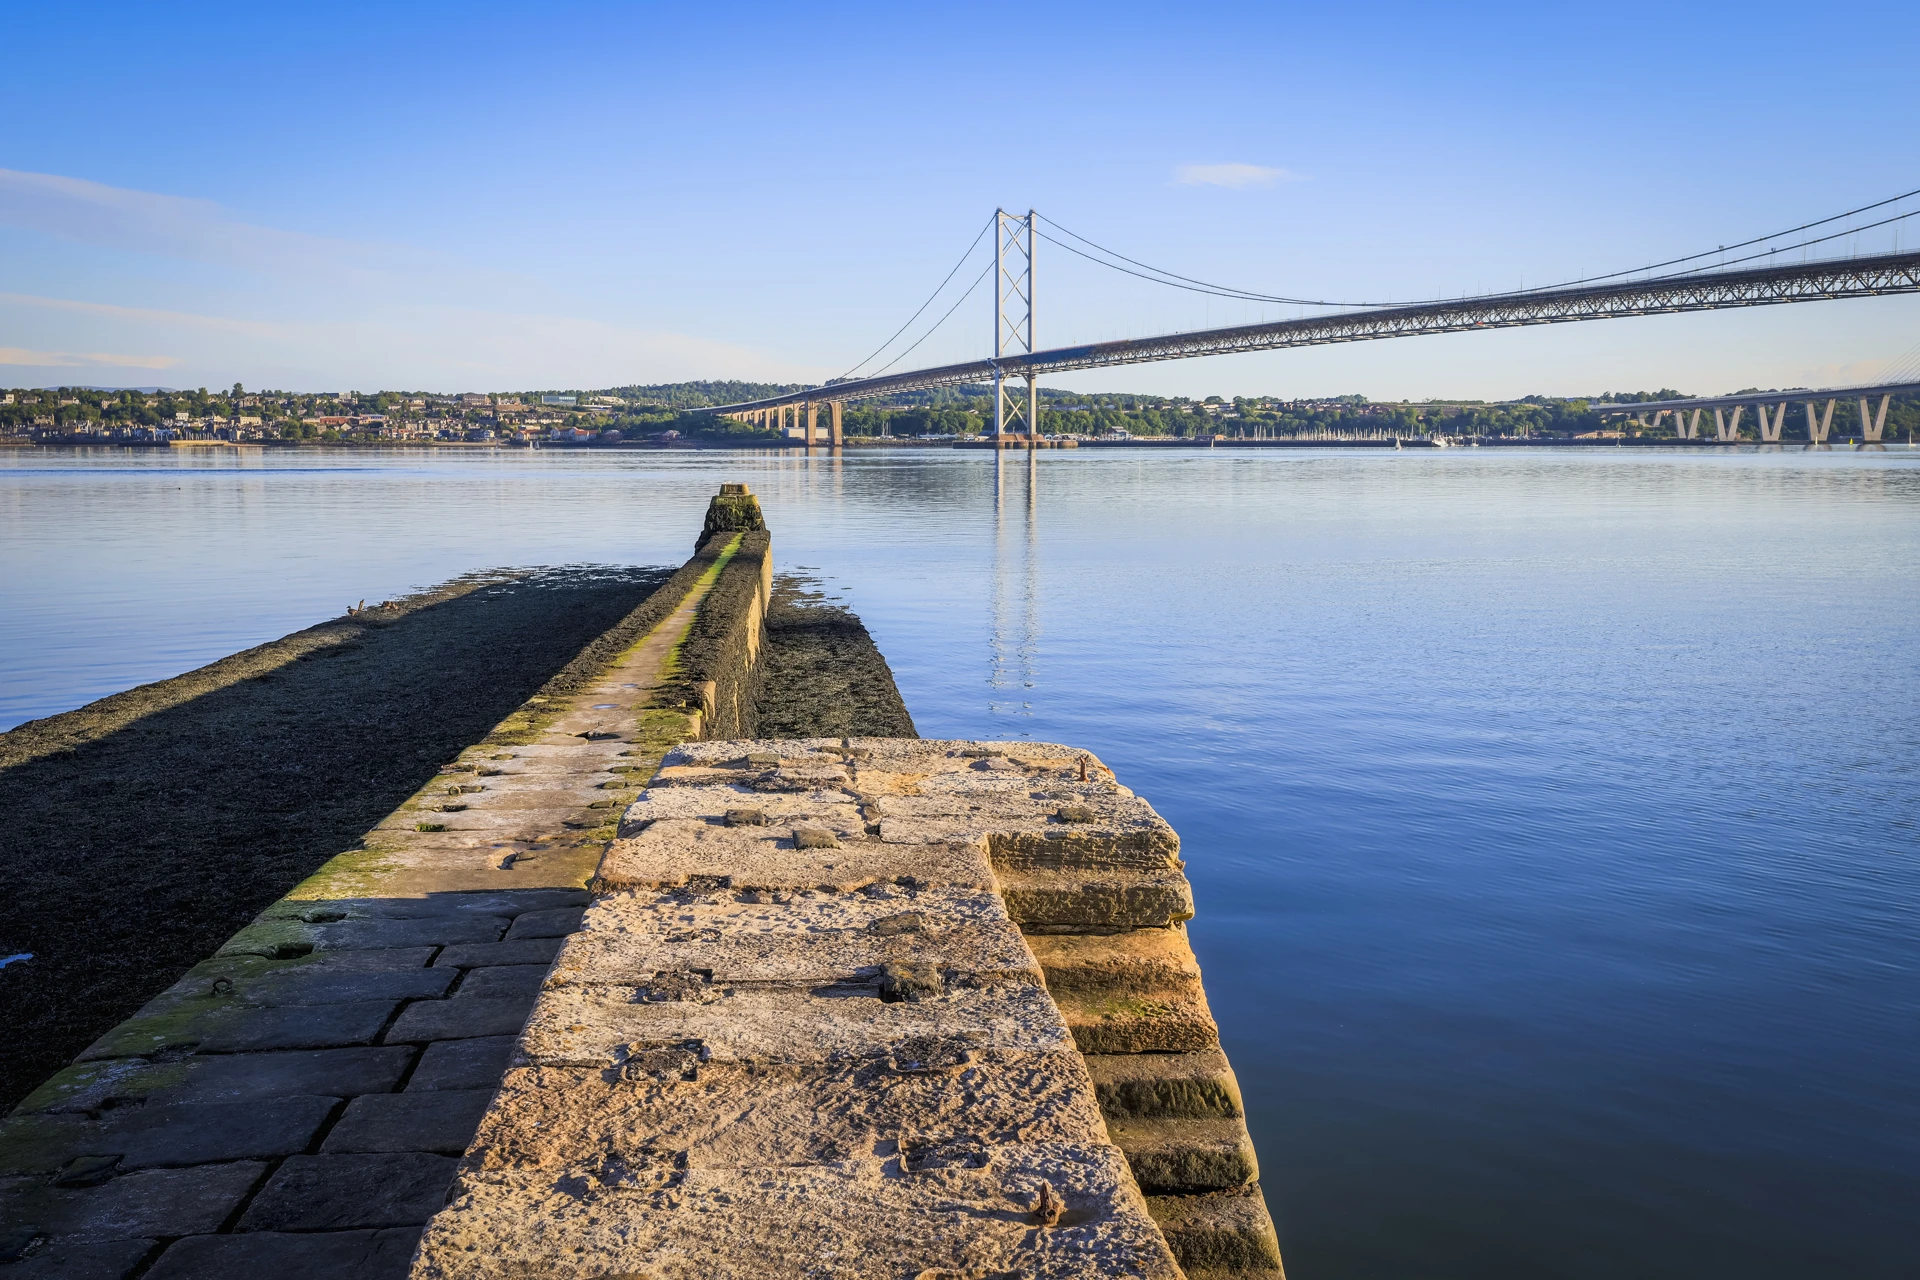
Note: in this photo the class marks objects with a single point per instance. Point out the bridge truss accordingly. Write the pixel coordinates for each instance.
(1825, 280)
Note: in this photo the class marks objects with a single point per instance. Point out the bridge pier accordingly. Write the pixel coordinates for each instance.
(836, 435)
(813, 423)
(1724, 431)
(1817, 429)
(1872, 426)
(1770, 423)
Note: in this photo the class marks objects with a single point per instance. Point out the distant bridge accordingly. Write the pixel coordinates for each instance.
(1772, 408)
(1818, 281)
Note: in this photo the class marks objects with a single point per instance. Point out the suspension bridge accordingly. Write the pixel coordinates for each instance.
(1017, 362)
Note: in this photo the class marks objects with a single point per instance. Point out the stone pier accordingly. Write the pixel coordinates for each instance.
(611, 997)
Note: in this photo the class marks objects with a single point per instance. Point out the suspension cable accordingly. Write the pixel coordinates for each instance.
(923, 306)
(936, 325)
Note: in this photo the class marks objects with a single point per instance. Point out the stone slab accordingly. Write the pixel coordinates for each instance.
(556, 923)
(284, 939)
(676, 852)
(459, 1019)
(339, 1073)
(851, 1222)
(222, 1026)
(1165, 1086)
(1223, 1231)
(202, 1134)
(468, 902)
(146, 1137)
(462, 1064)
(1186, 1156)
(473, 955)
(803, 937)
(134, 1206)
(1143, 960)
(329, 1255)
(600, 1026)
(434, 1120)
(80, 1260)
(1121, 1022)
(711, 803)
(321, 978)
(341, 1192)
(1096, 900)
(730, 1115)
(504, 982)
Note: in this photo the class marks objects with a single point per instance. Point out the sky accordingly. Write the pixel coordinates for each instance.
(517, 197)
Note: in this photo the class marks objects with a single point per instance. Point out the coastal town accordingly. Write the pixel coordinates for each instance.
(678, 414)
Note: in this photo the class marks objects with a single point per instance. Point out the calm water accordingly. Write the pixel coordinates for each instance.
(1552, 815)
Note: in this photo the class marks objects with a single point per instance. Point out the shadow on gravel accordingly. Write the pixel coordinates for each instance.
(143, 830)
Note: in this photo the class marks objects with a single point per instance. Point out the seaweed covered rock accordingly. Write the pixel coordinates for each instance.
(733, 510)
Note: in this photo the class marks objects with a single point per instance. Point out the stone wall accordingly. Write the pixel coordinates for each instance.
(718, 665)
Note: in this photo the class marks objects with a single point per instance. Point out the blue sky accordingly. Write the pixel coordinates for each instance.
(489, 197)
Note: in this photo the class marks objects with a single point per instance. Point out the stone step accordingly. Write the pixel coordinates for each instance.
(1148, 1022)
(1184, 1157)
(1219, 1234)
(1051, 901)
(1165, 1086)
(1136, 960)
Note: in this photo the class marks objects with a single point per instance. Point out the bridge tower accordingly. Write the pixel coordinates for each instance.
(1013, 323)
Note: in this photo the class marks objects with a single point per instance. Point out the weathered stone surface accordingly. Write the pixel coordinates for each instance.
(846, 1221)
(556, 923)
(599, 1026)
(731, 1115)
(290, 938)
(503, 982)
(329, 1255)
(802, 937)
(1222, 1231)
(222, 1026)
(1186, 1156)
(435, 1120)
(133, 1206)
(43, 1143)
(712, 804)
(1138, 1022)
(1165, 1086)
(807, 1038)
(496, 901)
(340, 1192)
(459, 1019)
(325, 977)
(144, 1137)
(340, 1073)
(473, 955)
(1140, 960)
(202, 1134)
(678, 852)
(462, 1064)
(1089, 900)
(1090, 828)
(79, 1260)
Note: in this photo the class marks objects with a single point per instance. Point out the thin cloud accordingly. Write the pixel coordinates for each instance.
(415, 345)
(175, 227)
(82, 359)
(1238, 177)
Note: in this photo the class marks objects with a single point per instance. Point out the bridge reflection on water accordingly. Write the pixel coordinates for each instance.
(1014, 640)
